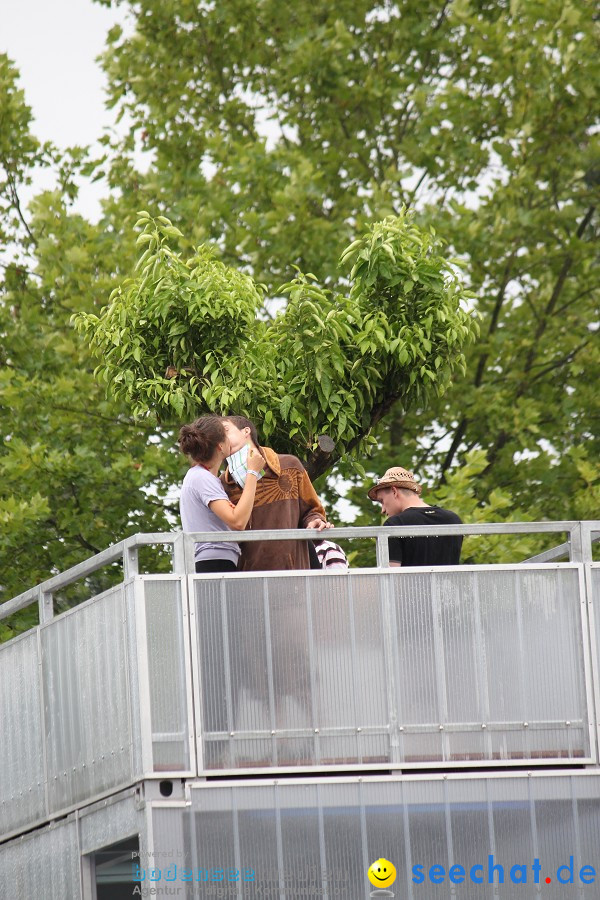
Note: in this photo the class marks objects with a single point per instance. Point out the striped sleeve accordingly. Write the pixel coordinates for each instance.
(331, 556)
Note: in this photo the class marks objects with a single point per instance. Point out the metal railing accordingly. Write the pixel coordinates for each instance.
(179, 675)
(581, 535)
(445, 666)
(171, 676)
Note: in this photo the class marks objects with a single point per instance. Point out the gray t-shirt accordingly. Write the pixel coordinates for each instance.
(199, 488)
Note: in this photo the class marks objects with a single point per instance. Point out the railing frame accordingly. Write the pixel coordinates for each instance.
(578, 548)
(589, 662)
(591, 667)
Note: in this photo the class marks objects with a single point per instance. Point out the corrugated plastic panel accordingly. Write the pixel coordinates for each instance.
(137, 766)
(46, 863)
(86, 701)
(112, 821)
(481, 653)
(594, 587)
(294, 668)
(22, 796)
(318, 839)
(167, 675)
(402, 668)
(43, 864)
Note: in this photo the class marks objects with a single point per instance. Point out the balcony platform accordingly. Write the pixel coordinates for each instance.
(472, 682)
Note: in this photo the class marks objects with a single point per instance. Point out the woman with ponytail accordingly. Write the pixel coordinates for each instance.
(204, 505)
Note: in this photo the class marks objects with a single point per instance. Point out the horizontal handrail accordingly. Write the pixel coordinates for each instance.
(125, 551)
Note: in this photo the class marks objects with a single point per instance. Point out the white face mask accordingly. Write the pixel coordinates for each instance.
(238, 465)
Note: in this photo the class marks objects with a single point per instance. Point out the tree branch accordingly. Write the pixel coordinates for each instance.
(478, 380)
(458, 436)
(559, 363)
(318, 463)
(14, 197)
(550, 306)
(575, 299)
(85, 543)
(366, 163)
(94, 415)
(500, 297)
(22, 269)
(504, 436)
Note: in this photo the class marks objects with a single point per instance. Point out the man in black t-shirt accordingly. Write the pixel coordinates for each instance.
(399, 492)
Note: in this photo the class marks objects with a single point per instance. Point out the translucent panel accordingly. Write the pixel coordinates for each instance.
(43, 864)
(342, 857)
(386, 836)
(301, 843)
(73, 693)
(481, 653)
(22, 797)
(167, 675)
(314, 838)
(259, 848)
(86, 701)
(294, 668)
(47, 863)
(134, 678)
(402, 668)
(594, 573)
(347, 638)
(109, 822)
(427, 823)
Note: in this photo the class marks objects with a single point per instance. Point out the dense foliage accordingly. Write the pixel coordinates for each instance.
(183, 337)
(278, 135)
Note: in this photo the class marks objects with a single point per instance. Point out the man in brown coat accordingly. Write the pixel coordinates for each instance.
(285, 498)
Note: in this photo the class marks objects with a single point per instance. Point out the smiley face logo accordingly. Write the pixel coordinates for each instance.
(382, 873)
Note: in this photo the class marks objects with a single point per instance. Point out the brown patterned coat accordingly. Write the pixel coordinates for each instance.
(285, 498)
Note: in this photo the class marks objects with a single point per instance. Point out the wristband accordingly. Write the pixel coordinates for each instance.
(252, 472)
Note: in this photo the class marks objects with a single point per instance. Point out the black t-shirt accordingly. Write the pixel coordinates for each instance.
(425, 551)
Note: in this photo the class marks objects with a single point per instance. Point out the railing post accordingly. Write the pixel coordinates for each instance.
(130, 562)
(189, 550)
(183, 554)
(45, 606)
(179, 555)
(383, 552)
(580, 543)
(586, 542)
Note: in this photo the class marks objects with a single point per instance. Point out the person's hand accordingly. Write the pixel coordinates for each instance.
(319, 525)
(255, 461)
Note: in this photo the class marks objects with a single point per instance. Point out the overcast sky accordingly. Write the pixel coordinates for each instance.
(54, 44)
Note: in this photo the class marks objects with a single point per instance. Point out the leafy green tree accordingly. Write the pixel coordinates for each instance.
(279, 133)
(76, 472)
(183, 337)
